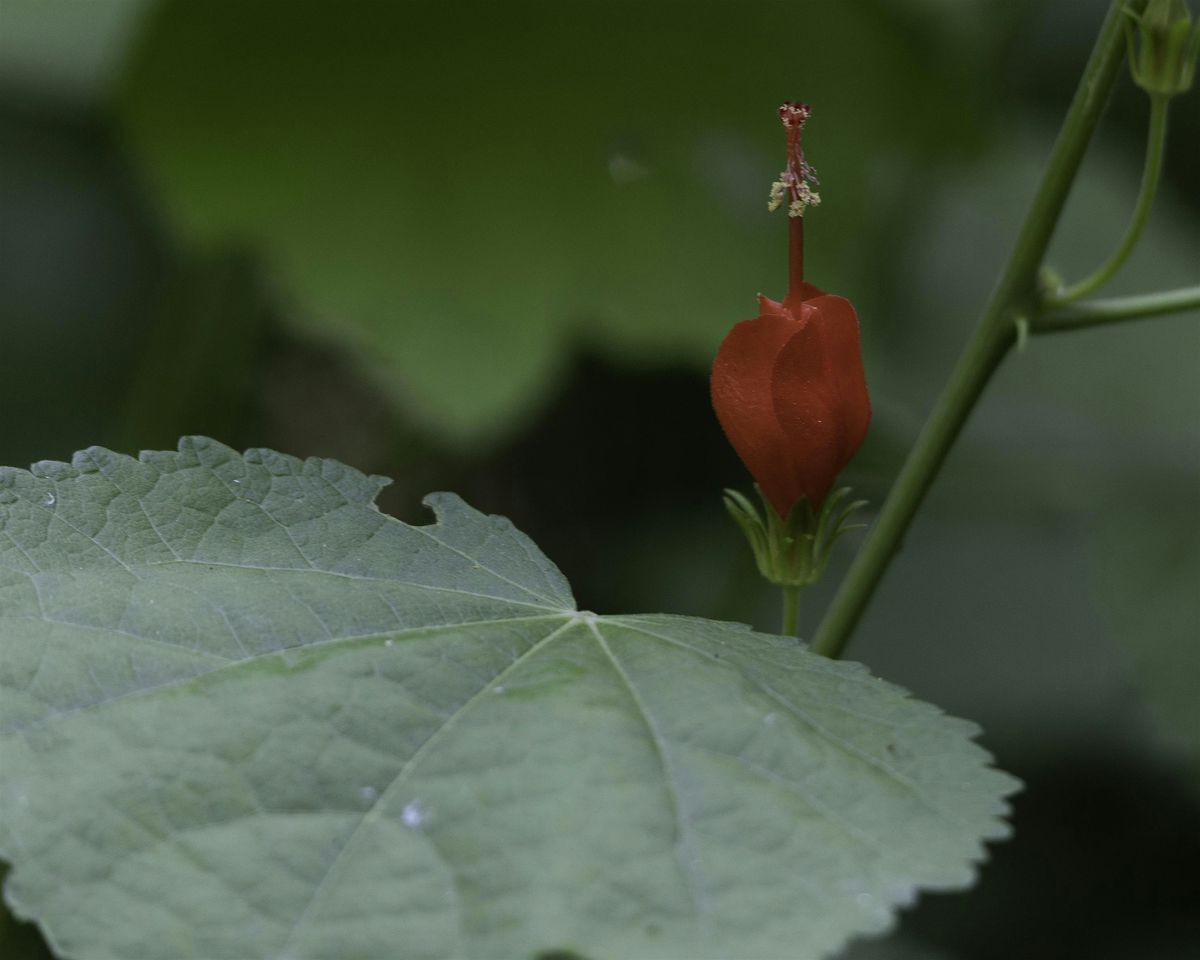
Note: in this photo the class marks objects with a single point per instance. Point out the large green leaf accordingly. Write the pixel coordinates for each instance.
(245, 714)
(68, 49)
(459, 192)
(1146, 568)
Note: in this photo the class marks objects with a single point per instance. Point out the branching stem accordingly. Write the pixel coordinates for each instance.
(1155, 141)
(1015, 296)
(1092, 313)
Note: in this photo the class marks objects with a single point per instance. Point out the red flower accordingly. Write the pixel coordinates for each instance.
(788, 386)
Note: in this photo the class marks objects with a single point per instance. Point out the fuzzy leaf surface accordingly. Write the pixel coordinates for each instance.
(244, 714)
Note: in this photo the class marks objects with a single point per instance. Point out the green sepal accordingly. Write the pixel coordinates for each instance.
(792, 551)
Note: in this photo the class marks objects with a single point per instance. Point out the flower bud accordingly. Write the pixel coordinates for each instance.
(1164, 63)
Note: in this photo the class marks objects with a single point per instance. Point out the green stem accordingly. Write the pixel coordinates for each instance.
(791, 609)
(1092, 313)
(1015, 296)
(1155, 140)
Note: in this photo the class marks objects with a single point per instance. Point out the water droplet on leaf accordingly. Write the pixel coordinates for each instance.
(412, 815)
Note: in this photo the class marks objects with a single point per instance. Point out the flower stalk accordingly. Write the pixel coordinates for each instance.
(1151, 173)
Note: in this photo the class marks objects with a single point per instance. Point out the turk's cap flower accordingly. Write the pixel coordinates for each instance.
(788, 385)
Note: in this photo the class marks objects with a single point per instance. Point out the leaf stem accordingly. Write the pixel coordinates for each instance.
(791, 610)
(1016, 295)
(1092, 313)
(1151, 172)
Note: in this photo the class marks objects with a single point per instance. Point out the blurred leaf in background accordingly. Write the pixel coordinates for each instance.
(460, 192)
(67, 50)
(199, 361)
(1075, 435)
(77, 275)
(80, 260)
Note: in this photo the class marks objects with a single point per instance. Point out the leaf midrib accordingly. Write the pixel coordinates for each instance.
(375, 811)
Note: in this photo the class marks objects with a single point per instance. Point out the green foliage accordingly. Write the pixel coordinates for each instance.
(198, 364)
(1145, 576)
(69, 50)
(459, 192)
(245, 714)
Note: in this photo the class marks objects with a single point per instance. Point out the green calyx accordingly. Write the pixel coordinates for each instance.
(793, 552)
(1164, 63)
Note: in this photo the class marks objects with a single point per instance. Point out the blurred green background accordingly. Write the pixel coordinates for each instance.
(491, 247)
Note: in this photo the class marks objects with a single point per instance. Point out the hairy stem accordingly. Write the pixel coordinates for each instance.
(1015, 296)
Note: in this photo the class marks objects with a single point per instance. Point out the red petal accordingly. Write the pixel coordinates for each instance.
(819, 394)
(792, 303)
(802, 294)
(772, 308)
(744, 402)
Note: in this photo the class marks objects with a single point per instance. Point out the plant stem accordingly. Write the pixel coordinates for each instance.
(791, 608)
(1093, 313)
(1015, 296)
(1155, 140)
